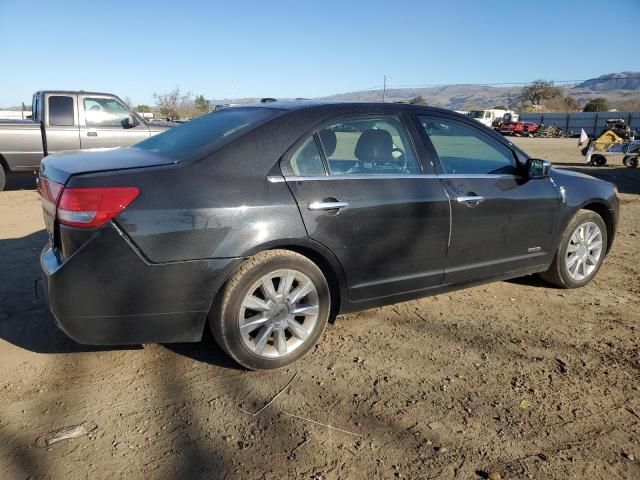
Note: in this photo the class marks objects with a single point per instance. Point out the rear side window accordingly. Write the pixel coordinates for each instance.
(61, 111)
(212, 130)
(369, 145)
(306, 161)
(463, 149)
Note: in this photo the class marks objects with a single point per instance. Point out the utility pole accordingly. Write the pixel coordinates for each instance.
(384, 88)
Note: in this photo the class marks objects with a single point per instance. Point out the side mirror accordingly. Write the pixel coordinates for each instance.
(129, 122)
(537, 168)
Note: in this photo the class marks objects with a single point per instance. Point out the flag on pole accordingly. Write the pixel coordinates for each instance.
(584, 138)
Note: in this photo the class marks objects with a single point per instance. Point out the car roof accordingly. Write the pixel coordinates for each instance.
(74, 92)
(333, 105)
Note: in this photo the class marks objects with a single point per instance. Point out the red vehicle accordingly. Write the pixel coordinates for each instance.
(518, 128)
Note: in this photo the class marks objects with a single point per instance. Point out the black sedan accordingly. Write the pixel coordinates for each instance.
(266, 221)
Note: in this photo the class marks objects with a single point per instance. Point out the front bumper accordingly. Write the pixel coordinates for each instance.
(106, 293)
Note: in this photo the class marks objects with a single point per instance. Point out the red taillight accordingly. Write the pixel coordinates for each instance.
(92, 207)
(49, 192)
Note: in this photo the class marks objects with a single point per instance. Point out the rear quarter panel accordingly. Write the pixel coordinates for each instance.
(219, 207)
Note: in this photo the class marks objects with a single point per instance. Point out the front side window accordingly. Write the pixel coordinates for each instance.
(463, 149)
(368, 145)
(60, 111)
(105, 112)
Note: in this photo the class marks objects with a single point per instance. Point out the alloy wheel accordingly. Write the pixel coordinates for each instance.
(278, 313)
(584, 251)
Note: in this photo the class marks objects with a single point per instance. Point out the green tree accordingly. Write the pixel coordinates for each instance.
(500, 107)
(202, 104)
(599, 104)
(143, 109)
(419, 100)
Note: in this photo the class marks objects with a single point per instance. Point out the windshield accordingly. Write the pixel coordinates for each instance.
(477, 114)
(212, 130)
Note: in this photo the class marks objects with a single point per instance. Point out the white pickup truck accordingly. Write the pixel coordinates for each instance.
(493, 116)
(64, 120)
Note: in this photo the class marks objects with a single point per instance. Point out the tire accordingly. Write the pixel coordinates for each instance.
(559, 273)
(630, 161)
(3, 178)
(598, 160)
(233, 306)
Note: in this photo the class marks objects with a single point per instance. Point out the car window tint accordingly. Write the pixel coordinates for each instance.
(61, 111)
(464, 149)
(210, 131)
(306, 161)
(104, 112)
(368, 145)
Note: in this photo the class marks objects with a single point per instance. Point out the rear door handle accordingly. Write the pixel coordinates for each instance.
(470, 201)
(92, 134)
(334, 205)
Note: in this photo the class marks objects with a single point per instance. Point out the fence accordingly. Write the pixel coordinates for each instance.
(592, 122)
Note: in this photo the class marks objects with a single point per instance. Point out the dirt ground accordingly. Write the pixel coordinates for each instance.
(512, 378)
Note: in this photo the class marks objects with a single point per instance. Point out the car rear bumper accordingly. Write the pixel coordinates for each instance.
(106, 293)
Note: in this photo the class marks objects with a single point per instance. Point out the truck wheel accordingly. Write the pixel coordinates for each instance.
(3, 178)
(272, 310)
(582, 249)
(630, 161)
(598, 160)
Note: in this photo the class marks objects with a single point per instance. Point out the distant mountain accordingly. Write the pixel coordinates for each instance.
(618, 88)
(612, 81)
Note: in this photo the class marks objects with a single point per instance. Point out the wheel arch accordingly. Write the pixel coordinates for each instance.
(318, 254)
(607, 216)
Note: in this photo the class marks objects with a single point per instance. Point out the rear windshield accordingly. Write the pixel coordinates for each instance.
(212, 130)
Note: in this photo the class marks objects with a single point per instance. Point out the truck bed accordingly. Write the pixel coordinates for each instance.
(21, 142)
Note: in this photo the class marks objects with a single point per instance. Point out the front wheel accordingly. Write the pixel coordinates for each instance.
(272, 311)
(598, 160)
(630, 161)
(581, 251)
(3, 178)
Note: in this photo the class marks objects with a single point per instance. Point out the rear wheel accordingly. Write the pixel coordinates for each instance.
(272, 311)
(581, 251)
(598, 160)
(3, 178)
(630, 161)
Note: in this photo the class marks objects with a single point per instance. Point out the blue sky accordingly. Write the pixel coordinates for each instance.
(304, 48)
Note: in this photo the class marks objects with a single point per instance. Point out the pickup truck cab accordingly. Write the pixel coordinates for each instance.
(65, 120)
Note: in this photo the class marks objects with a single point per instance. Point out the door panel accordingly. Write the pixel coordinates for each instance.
(61, 123)
(390, 239)
(511, 229)
(502, 222)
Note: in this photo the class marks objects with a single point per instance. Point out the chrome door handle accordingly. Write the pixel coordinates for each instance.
(470, 201)
(327, 205)
(92, 134)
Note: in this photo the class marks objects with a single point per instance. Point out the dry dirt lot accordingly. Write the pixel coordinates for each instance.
(512, 378)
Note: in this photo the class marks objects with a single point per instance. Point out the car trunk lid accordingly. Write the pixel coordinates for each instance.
(60, 167)
(56, 170)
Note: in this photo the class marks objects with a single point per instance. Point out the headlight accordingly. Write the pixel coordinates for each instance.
(615, 190)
